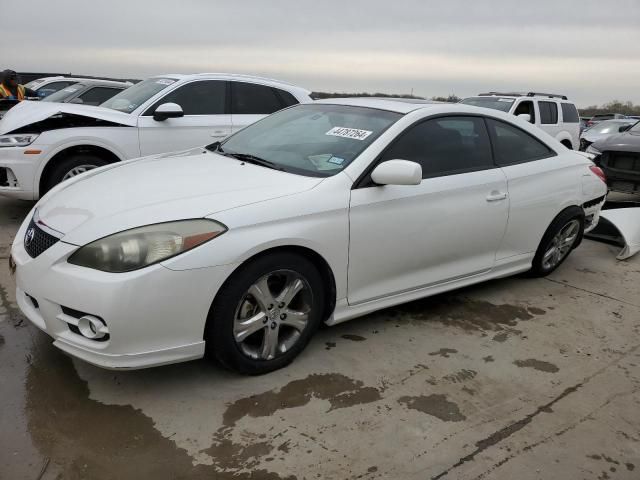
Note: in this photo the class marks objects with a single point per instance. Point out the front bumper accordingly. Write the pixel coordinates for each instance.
(18, 171)
(154, 316)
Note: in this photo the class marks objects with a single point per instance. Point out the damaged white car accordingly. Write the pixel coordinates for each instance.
(42, 144)
(319, 213)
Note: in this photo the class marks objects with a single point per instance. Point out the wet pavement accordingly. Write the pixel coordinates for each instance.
(516, 378)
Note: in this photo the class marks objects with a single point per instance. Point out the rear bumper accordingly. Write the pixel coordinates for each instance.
(622, 170)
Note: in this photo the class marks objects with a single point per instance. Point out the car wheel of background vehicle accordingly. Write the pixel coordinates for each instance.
(562, 236)
(265, 314)
(72, 166)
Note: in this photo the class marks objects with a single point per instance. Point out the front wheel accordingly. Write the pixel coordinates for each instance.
(265, 314)
(562, 236)
(72, 166)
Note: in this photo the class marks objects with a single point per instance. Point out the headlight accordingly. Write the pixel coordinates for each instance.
(591, 149)
(18, 140)
(140, 247)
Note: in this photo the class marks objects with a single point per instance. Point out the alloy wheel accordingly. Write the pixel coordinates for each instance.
(561, 244)
(272, 314)
(77, 171)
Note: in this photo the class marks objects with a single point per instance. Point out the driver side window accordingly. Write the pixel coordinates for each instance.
(526, 107)
(205, 97)
(444, 146)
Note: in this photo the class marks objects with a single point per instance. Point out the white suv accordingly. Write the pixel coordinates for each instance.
(551, 112)
(42, 144)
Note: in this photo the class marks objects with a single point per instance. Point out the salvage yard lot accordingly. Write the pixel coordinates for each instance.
(516, 378)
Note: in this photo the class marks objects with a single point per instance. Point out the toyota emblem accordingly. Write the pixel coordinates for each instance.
(28, 237)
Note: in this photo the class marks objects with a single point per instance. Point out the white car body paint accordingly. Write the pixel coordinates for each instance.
(132, 135)
(384, 245)
(627, 222)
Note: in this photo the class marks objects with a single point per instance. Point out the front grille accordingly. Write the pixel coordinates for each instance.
(37, 240)
(593, 202)
(625, 161)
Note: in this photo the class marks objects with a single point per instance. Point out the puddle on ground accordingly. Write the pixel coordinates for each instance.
(444, 352)
(87, 439)
(435, 405)
(353, 338)
(460, 376)
(340, 390)
(465, 313)
(537, 364)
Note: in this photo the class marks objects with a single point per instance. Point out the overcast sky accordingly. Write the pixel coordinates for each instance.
(587, 49)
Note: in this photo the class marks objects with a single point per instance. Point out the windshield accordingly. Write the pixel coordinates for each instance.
(131, 98)
(497, 103)
(635, 128)
(608, 126)
(62, 95)
(313, 140)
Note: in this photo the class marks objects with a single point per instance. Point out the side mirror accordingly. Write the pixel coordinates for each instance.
(624, 128)
(525, 116)
(397, 172)
(167, 110)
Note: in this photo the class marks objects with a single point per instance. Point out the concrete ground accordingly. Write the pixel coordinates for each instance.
(513, 379)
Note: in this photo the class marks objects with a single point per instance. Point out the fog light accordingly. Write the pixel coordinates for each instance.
(91, 327)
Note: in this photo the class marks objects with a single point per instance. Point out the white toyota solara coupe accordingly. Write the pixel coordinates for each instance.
(319, 213)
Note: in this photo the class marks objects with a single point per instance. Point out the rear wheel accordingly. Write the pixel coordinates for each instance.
(265, 314)
(562, 236)
(72, 166)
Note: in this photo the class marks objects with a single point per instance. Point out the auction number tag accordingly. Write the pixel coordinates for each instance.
(345, 132)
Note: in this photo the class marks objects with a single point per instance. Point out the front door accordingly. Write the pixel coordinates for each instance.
(404, 238)
(205, 119)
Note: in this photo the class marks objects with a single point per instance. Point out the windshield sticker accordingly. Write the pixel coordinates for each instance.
(164, 81)
(326, 162)
(352, 133)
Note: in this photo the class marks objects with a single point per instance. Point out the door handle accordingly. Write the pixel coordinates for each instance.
(496, 196)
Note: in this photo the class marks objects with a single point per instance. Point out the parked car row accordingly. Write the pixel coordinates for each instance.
(51, 143)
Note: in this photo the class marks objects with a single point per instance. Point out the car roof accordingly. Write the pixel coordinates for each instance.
(235, 76)
(83, 80)
(102, 83)
(400, 105)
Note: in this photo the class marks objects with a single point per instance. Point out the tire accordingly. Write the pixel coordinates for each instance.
(65, 168)
(236, 311)
(565, 223)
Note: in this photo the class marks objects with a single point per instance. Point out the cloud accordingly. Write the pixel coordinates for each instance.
(584, 48)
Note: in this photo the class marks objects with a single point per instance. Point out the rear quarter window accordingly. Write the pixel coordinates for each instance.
(570, 113)
(548, 112)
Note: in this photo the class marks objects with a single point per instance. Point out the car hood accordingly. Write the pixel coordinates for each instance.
(621, 142)
(192, 184)
(28, 113)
